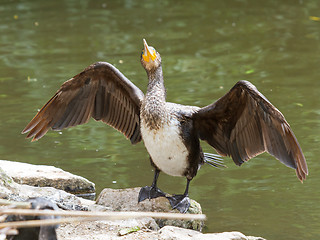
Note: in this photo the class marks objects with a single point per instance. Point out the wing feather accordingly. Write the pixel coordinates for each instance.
(102, 92)
(243, 124)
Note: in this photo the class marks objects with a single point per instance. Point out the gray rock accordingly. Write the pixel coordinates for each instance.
(47, 176)
(127, 200)
(11, 190)
(101, 230)
(119, 200)
(6, 184)
(110, 230)
(174, 233)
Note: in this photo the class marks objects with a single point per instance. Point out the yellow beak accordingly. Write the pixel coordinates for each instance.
(148, 53)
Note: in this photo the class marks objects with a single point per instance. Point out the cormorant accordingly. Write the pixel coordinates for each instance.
(241, 124)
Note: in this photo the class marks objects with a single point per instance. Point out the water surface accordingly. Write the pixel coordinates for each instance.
(206, 47)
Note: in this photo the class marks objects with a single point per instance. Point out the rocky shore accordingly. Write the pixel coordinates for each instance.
(21, 181)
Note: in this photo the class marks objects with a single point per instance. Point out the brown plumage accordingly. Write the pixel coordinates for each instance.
(100, 92)
(241, 124)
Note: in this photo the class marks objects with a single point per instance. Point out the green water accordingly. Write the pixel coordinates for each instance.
(206, 47)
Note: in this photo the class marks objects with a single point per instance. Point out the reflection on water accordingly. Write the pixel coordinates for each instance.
(206, 47)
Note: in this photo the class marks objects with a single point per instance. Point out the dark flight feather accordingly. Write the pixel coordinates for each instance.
(101, 92)
(243, 124)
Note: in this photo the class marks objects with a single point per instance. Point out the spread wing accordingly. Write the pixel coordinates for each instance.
(243, 124)
(102, 92)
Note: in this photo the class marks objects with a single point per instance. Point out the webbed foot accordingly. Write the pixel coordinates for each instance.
(149, 193)
(180, 202)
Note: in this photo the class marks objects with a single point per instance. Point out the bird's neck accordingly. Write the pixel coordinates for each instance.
(156, 85)
(153, 108)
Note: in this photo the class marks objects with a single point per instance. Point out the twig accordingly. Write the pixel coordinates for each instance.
(45, 222)
(8, 231)
(79, 216)
(105, 215)
(15, 204)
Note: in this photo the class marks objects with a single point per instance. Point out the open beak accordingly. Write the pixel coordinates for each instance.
(149, 54)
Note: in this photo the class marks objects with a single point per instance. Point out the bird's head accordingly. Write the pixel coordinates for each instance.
(150, 58)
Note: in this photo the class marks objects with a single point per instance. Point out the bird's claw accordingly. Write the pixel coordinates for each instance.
(150, 193)
(180, 202)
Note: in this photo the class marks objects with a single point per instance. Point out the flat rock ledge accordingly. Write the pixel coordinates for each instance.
(47, 176)
(110, 200)
(10, 190)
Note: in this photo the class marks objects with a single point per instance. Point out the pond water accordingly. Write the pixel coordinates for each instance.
(206, 47)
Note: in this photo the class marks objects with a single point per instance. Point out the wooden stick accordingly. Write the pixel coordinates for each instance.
(8, 231)
(104, 215)
(45, 222)
(80, 216)
(15, 204)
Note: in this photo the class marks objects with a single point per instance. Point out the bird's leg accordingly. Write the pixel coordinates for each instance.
(153, 191)
(181, 202)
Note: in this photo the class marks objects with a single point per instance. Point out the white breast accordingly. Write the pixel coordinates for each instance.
(166, 148)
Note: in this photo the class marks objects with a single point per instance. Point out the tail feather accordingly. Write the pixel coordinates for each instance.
(214, 160)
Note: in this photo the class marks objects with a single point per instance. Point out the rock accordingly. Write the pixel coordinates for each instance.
(174, 233)
(115, 200)
(47, 176)
(110, 230)
(6, 184)
(101, 230)
(255, 238)
(11, 190)
(127, 200)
